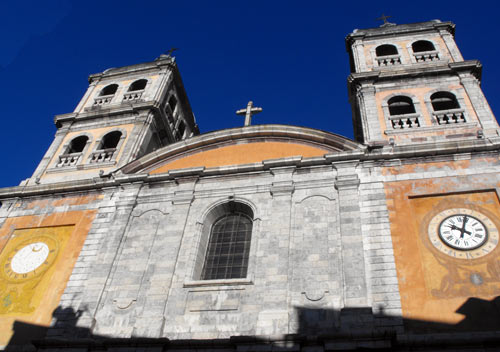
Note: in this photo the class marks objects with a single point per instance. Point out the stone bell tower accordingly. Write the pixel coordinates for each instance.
(125, 113)
(409, 84)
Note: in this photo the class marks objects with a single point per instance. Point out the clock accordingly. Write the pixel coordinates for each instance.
(29, 258)
(463, 233)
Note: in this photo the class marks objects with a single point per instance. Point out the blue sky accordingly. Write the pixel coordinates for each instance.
(288, 57)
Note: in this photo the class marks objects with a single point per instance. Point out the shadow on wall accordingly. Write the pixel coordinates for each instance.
(347, 329)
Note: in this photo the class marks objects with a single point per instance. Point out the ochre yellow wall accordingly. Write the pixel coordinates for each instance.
(241, 154)
(41, 295)
(433, 285)
(405, 54)
(96, 133)
(426, 116)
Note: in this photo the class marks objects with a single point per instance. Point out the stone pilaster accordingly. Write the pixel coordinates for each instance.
(369, 115)
(347, 184)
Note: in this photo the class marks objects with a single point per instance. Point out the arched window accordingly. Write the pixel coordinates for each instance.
(229, 247)
(401, 105)
(181, 129)
(107, 150)
(172, 103)
(386, 50)
(109, 90)
(77, 145)
(229, 231)
(138, 85)
(110, 140)
(422, 45)
(444, 101)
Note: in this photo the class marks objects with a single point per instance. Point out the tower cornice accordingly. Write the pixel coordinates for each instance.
(473, 67)
(401, 29)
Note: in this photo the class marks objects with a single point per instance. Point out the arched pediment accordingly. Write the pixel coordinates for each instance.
(240, 146)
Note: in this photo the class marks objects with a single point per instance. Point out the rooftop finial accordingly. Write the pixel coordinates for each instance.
(248, 112)
(386, 23)
(170, 51)
(167, 54)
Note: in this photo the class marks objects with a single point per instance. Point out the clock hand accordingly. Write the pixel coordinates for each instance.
(454, 227)
(462, 230)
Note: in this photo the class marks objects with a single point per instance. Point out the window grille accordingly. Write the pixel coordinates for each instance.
(229, 247)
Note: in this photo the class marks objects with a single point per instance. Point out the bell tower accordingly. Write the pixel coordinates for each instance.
(409, 84)
(125, 113)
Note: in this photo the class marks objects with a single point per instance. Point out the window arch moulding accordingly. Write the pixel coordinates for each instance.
(73, 152)
(107, 156)
(386, 61)
(135, 90)
(451, 117)
(402, 122)
(424, 56)
(204, 232)
(105, 95)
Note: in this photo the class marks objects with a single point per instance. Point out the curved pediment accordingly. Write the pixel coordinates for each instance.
(239, 146)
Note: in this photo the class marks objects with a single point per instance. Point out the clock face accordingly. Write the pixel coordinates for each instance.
(463, 233)
(29, 258)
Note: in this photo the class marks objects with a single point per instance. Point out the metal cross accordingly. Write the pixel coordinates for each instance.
(248, 112)
(169, 52)
(383, 18)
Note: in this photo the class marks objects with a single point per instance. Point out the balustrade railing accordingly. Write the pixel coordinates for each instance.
(388, 60)
(103, 100)
(69, 159)
(132, 96)
(101, 156)
(452, 116)
(400, 122)
(425, 56)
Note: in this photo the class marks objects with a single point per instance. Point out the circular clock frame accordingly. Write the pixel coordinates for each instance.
(459, 250)
(23, 261)
(470, 233)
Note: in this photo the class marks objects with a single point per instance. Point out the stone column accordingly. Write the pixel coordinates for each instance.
(451, 45)
(347, 184)
(479, 102)
(357, 313)
(99, 298)
(51, 152)
(372, 130)
(359, 56)
(274, 267)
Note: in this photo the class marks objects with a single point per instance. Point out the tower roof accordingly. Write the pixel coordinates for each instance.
(407, 28)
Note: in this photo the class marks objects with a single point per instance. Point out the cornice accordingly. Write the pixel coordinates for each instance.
(387, 154)
(99, 113)
(291, 133)
(139, 68)
(403, 29)
(473, 67)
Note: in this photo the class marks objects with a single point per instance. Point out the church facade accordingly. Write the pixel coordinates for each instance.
(137, 232)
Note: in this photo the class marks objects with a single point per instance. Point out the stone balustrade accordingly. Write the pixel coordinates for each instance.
(69, 159)
(452, 116)
(103, 100)
(130, 96)
(426, 56)
(388, 60)
(400, 122)
(101, 156)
